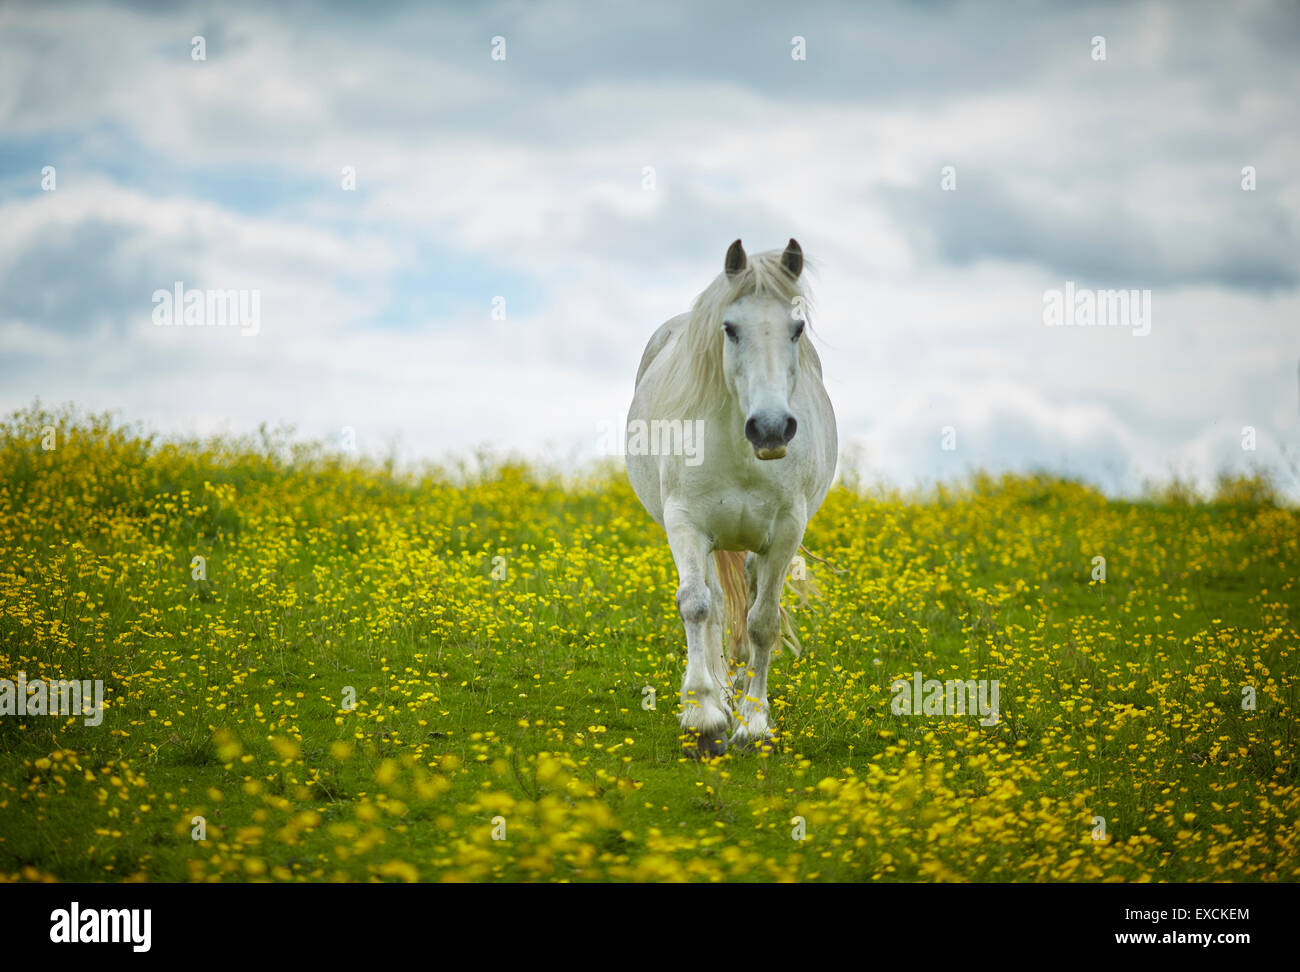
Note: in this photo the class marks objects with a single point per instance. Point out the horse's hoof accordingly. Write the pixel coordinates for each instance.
(700, 744)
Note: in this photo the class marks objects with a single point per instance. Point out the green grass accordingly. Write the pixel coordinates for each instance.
(520, 698)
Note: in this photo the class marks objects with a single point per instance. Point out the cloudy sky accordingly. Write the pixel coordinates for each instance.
(592, 178)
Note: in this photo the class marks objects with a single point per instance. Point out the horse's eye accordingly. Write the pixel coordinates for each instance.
(729, 329)
(798, 331)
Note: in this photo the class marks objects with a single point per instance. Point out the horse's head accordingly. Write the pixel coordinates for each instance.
(760, 356)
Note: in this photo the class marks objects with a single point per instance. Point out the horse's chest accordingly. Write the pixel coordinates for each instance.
(740, 519)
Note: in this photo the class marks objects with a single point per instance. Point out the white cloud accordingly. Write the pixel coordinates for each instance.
(523, 178)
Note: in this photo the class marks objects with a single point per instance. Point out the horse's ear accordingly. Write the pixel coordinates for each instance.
(736, 259)
(792, 258)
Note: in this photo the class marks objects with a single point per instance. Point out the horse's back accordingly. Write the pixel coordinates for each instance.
(643, 470)
(658, 341)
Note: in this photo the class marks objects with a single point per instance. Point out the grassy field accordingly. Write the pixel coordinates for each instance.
(503, 633)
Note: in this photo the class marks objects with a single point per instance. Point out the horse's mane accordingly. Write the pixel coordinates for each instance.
(693, 385)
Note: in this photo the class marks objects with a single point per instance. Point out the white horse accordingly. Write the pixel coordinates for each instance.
(741, 369)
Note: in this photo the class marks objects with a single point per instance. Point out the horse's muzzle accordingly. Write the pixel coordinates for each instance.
(769, 433)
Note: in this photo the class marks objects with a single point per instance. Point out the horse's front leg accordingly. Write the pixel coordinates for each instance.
(705, 717)
(764, 622)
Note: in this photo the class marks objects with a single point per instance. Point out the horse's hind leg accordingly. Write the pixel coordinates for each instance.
(751, 576)
(764, 622)
(705, 718)
(742, 654)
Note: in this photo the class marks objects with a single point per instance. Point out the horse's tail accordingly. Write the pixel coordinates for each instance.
(731, 575)
(735, 587)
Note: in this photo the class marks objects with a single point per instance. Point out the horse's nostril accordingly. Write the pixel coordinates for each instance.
(751, 431)
(791, 426)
